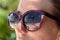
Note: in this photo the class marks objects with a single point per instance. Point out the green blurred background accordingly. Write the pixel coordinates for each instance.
(5, 7)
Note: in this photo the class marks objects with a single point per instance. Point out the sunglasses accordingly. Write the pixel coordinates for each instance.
(31, 20)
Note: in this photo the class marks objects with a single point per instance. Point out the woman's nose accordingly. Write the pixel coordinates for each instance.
(20, 28)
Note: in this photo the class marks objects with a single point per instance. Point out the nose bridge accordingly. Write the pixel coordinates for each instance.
(20, 28)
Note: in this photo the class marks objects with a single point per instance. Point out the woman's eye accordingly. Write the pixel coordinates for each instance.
(13, 17)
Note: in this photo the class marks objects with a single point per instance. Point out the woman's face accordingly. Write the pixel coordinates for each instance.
(48, 30)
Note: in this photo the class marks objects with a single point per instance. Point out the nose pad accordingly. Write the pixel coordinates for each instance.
(20, 28)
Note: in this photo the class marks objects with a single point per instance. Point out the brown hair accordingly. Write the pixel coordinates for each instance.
(56, 11)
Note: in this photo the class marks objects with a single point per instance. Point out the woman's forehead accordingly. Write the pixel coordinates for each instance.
(26, 5)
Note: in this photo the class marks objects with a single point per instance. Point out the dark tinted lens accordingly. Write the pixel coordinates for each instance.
(32, 20)
(32, 17)
(13, 18)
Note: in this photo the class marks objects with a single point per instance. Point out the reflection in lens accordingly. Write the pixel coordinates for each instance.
(13, 19)
(12, 25)
(32, 20)
(33, 26)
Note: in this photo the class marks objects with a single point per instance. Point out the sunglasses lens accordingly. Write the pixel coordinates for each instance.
(13, 19)
(32, 20)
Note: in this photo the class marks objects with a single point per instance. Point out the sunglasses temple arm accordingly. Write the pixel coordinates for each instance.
(53, 17)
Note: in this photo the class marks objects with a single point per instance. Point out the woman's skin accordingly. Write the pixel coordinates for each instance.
(49, 29)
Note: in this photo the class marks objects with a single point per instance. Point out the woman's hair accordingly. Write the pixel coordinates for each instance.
(56, 11)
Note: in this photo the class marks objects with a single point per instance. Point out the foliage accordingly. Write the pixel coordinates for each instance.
(5, 7)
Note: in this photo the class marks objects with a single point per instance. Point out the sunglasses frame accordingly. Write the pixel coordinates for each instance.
(37, 11)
